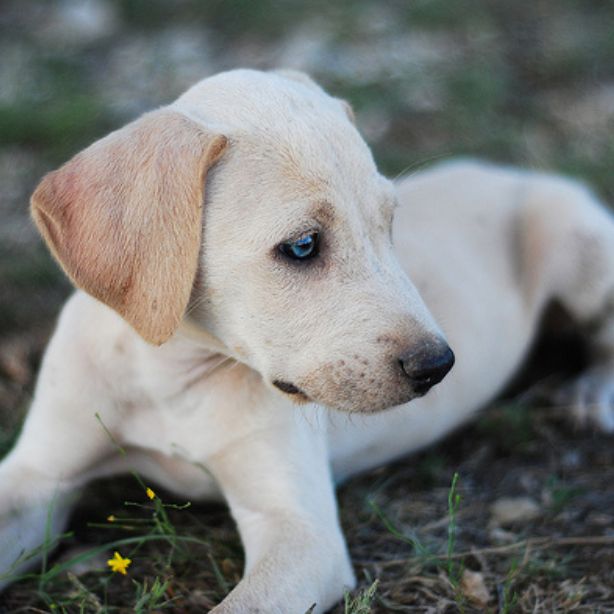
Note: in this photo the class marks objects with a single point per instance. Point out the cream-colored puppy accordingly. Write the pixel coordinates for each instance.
(236, 255)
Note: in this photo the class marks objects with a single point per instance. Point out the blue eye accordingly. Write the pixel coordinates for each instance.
(302, 249)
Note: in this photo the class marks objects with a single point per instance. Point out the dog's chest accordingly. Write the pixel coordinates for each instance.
(185, 403)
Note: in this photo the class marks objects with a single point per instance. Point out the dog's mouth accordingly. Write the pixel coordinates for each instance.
(298, 395)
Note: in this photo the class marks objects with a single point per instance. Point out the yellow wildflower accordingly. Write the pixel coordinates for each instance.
(111, 518)
(150, 493)
(118, 563)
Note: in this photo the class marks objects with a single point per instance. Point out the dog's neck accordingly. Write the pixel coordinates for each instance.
(198, 335)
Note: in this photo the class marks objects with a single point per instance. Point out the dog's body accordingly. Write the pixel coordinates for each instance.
(202, 414)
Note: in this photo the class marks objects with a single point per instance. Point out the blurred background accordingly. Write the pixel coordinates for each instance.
(528, 82)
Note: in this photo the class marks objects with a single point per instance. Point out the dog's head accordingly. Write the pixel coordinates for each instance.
(286, 256)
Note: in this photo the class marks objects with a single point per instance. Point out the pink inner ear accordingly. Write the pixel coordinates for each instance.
(123, 218)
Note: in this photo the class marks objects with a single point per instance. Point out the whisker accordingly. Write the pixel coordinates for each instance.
(234, 366)
(417, 166)
(220, 364)
(194, 305)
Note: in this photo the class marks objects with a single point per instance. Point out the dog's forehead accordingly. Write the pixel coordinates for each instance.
(245, 98)
(293, 123)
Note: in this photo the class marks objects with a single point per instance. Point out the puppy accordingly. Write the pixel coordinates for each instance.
(242, 290)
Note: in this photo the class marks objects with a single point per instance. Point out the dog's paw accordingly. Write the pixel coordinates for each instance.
(591, 399)
(25, 536)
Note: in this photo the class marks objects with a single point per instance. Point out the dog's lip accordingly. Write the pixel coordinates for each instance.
(290, 388)
(286, 387)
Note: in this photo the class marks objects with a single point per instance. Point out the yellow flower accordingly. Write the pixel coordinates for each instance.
(111, 518)
(150, 493)
(118, 563)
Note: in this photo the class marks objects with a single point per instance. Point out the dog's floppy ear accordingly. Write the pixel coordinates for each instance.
(123, 217)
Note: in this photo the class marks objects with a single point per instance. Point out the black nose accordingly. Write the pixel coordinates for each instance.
(427, 367)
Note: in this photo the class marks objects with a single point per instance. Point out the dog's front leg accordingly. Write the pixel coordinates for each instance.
(277, 482)
(61, 445)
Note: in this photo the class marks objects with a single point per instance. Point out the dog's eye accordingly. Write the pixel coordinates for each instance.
(302, 249)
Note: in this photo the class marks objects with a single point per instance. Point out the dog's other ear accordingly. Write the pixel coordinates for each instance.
(349, 111)
(123, 217)
(297, 75)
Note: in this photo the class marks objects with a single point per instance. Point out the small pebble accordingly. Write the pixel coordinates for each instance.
(501, 536)
(509, 510)
(474, 588)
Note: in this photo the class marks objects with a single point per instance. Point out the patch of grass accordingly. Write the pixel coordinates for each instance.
(56, 584)
(59, 126)
(441, 567)
(361, 602)
(596, 171)
(438, 14)
(583, 56)
(481, 87)
(152, 597)
(509, 427)
(228, 20)
(419, 550)
(426, 555)
(430, 467)
(37, 270)
(148, 542)
(560, 495)
(454, 569)
(548, 565)
(33, 287)
(508, 598)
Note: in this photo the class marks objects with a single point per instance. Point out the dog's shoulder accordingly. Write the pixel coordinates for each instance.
(94, 341)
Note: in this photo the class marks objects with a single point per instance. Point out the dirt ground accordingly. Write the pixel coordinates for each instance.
(553, 553)
(528, 83)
